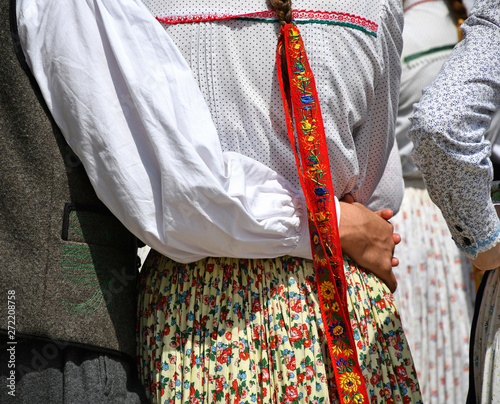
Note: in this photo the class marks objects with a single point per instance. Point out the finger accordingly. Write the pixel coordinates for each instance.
(385, 213)
(390, 279)
(348, 198)
(396, 237)
(392, 283)
(387, 274)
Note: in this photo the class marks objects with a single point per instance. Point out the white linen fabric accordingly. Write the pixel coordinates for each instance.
(189, 178)
(389, 189)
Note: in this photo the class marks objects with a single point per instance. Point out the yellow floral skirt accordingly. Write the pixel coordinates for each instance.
(250, 331)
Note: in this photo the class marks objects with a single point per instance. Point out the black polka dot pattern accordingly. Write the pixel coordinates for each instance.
(357, 77)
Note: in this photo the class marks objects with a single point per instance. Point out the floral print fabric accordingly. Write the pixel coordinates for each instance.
(250, 331)
(448, 127)
(435, 297)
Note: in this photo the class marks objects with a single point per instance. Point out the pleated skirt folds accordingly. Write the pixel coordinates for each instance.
(250, 331)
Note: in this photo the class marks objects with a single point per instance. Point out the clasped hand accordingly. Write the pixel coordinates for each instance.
(369, 239)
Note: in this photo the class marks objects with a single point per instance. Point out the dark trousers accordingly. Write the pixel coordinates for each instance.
(53, 372)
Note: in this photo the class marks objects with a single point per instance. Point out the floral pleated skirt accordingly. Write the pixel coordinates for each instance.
(435, 296)
(250, 331)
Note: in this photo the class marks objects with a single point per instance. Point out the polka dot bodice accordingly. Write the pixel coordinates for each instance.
(357, 77)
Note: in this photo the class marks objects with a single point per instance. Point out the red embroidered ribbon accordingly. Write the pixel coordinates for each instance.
(302, 107)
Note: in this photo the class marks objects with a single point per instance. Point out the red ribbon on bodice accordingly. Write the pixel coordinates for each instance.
(303, 118)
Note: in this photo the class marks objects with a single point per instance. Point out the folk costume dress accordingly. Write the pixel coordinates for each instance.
(182, 129)
(232, 330)
(449, 138)
(435, 292)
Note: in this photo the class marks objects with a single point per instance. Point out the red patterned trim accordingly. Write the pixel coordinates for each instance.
(298, 15)
(336, 17)
(189, 19)
(304, 119)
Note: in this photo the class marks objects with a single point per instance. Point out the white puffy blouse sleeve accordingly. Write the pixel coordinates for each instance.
(129, 107)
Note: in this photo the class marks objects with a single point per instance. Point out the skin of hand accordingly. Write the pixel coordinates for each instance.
(369, 239)
(488, 260)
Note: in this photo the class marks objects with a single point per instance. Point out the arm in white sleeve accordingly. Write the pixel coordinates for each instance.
(390, 189)
(129, 107)
(448, 129)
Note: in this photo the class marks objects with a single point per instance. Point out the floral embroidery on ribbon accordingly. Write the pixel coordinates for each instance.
(301, 104)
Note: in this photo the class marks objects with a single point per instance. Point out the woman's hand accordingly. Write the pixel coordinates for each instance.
(488, 260)
(369, 239)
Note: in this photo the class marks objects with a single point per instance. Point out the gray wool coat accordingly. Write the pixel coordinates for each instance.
(68, 268)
